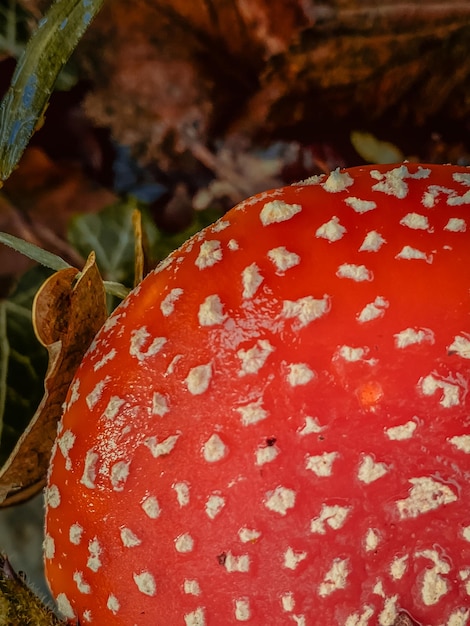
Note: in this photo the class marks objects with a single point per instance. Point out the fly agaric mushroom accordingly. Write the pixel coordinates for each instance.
(274, 427)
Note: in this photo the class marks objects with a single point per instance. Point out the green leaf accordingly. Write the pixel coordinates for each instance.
(116, 289)
(110, 234)
(23, 362)
(34, 252)
(45, 55)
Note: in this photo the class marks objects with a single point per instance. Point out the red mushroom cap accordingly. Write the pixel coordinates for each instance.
(274, 427)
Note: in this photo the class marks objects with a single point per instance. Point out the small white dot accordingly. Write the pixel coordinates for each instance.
(252, 413)
(292, 558)
(249, 535)
(214, 449)
(159, 404)
(182, 493)
(371, 540)
(280, 500)
(140, 348)
(373, 241)
(337, 181)
(373, 310)
(94, 396)
(75, 534)
(53, 496)
(49, 547)
(415, 221)
(64, 606)
(409, 253)
(299, 374)
(210, 253)
(113, 604)
(237, 563)
(66, 443)
(283, 259)
(151, 507)
(119, 475)
(198, 379)
(370, 471)
(145, 583)
(460, 346)
(401, 432)
(411, 336)
(195, 618)
(266, 454)
(167, 305)
(214, 505)
(89, 471)
(305, 310)
(211, 311)
(321, 464)
(242, 610)
(251, 280)
(191, 587)
(456, 225)
(360, 206)
(82, 586)
(288, 602)
(333, 516)
(335, 578)
(129, 539)
(278, 211)
(94, 553)
(358, 273)
(332, 230)
(184, 543)
(253, 359)
(161, 448)
(113, 407)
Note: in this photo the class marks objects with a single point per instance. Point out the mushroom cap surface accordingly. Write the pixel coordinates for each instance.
(274, 426)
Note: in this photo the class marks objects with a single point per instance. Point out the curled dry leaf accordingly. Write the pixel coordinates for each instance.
(67, 313)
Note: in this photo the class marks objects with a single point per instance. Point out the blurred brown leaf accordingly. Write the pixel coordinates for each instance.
(167, 73)
(36, 204)
(12, 263)
(50, 192)
(67, 313)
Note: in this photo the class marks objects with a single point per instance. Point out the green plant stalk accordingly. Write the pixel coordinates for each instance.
(37, 70)
(54, 262)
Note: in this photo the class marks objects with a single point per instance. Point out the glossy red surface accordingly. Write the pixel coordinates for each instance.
(274, 427)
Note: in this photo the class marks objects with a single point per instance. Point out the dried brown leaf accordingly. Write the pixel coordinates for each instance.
(139, 262)
(67, 313)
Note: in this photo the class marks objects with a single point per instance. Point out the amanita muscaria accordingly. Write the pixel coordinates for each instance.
(274, 427)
